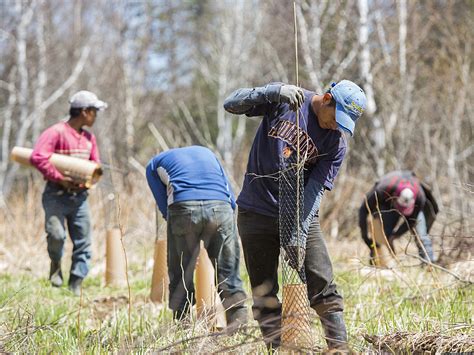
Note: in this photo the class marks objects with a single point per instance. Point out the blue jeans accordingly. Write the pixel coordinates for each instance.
(211, 221)
(60, 206)
(390, 221)
(425, 239)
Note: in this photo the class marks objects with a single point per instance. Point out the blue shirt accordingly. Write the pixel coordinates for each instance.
(275, 144)
(187, 174)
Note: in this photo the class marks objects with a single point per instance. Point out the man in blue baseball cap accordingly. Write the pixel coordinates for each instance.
(323, 119)
(350, 104)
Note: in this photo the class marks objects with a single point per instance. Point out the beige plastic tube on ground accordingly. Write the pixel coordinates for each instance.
(159, 280)
(83, 170)
(115, 270)
(296, 330)
(208, 303)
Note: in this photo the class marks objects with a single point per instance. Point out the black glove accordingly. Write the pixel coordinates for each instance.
(292, 95)
(294, 256)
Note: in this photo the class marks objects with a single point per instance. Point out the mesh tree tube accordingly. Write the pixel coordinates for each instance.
(296, 332)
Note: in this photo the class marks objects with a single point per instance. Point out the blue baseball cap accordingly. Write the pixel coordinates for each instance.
(350, 104)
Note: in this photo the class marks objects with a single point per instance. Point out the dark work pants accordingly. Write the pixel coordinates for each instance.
(261, 246)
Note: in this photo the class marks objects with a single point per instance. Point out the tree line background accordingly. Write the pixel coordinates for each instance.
(166, 66)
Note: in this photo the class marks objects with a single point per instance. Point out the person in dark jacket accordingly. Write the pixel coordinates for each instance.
(319, 134)
(399, 202)
(193, 194)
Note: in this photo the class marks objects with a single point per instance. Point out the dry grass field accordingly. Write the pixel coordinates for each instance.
(409, 308)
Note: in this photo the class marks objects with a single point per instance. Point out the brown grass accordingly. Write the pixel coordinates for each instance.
(422, 343)
(23, 250)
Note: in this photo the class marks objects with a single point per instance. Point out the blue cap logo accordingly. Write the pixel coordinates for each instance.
(350, 104)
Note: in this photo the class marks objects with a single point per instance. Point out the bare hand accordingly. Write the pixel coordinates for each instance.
(69, 183)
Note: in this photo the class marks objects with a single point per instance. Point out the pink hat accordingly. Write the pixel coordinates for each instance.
(406, 195)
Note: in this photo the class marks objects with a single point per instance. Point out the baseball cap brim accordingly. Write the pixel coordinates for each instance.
(344, 120)
(100, 105)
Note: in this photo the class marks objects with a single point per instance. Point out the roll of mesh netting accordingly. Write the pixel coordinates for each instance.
(296, 324)
(296, 332)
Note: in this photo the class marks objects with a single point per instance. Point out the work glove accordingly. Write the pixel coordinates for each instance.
(293, 258)
(292, 95)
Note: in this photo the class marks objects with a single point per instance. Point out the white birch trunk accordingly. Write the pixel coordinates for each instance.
(378, 133)
(311, 48)
(42, 76)
(224, 135)
(454, 168)
(23, 95)
(26, 16)
(6, 132)
(402, 36)
(235, 43)
(129, 105)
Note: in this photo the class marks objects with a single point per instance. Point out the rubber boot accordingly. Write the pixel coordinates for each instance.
(335, 331)
(55, 274)
(75, 283)
(236, 317)
(271, 335)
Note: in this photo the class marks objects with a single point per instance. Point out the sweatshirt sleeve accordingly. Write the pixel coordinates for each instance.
(44, 148)
(157, 188)
(255, 101)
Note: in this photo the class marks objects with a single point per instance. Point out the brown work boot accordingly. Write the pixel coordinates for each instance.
(55, 274)
(335, 333)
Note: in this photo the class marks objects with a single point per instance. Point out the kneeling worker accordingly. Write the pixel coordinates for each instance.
(398, 196)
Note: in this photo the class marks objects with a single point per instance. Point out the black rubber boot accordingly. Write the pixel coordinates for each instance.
(335, 331)
(271, 332)
(75, 283)
(55, 274)
(236, 317)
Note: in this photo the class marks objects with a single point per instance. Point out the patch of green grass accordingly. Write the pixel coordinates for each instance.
(376, 305)
(35, 317)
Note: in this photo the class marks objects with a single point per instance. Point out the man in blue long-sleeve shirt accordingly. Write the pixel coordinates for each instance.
(194, 196)
(322, 120)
